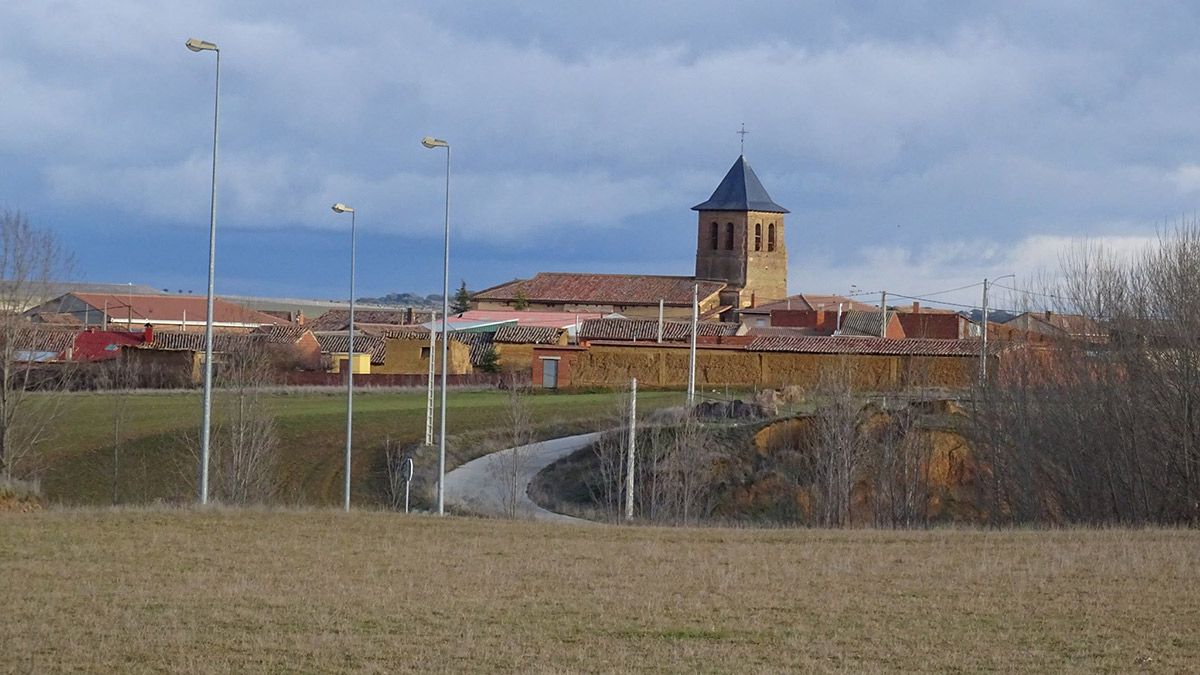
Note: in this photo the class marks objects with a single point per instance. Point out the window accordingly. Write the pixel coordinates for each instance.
(424, 353)
(758, 236)
(728, 236)
(771, 237)
(715, 236)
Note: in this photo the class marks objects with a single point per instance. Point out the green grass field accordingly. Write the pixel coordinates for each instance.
(322, 591)
(155, 464)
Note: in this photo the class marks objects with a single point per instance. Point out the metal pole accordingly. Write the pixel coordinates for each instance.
(441, 496)
(350, 371)
(691, 354)
(629, 460)
(208, 320)
(983, 341)
(660, 319)
(429, 382)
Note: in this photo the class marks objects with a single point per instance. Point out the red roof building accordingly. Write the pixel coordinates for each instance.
(184, 312)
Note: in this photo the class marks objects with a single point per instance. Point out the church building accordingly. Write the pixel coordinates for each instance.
(741, 262)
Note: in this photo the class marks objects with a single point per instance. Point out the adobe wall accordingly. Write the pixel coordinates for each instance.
(403, 357)
(604, 365)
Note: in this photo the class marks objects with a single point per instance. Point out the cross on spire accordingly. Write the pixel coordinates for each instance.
(743, 133)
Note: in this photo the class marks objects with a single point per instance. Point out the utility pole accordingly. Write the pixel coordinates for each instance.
(983, 341)
(429, 382)
(883, 315)
(691, 387)
(629, 458)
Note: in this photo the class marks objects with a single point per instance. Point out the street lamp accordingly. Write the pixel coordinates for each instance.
(984, 321)
(342, 208)
(202, 46)
(431, 142)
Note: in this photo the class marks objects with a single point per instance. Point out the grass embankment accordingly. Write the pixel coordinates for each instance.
(127, 591)
(154, 461)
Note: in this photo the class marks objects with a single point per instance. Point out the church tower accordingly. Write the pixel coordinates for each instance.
(740, 240)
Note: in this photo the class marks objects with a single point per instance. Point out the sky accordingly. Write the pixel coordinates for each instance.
(920, 146)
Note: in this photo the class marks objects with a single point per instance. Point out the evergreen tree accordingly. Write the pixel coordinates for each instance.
(462, 299)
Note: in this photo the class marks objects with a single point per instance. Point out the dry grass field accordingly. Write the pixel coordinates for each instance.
(224, 590)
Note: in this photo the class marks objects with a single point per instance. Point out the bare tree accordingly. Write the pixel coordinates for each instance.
(901, 453)
(519, 434)
(839, 446)
(29, 259)
(244, 451)
(1099, 422)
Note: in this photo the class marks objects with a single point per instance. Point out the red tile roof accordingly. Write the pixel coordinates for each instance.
(36, 338)
(812, 301)
(528, 335)
(339, 319)
(647, 329)
(194, 341)
(168, 309)
(865, 345)
(339, 343)
(282, 333)
(601, 289)
(529, 317)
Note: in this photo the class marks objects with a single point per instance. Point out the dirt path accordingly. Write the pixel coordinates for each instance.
(478, 485)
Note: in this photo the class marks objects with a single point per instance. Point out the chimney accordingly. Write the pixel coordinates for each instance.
(147, 334)
(916, 307)
(300, 318)
(1048, 314)
(821, 318)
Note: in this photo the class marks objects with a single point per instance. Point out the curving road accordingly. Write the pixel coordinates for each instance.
(478, 485)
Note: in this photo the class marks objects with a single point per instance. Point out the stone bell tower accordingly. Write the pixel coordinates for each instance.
(740, 240)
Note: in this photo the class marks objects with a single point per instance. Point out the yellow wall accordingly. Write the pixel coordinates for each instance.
(404, 357)
(519, 357)
(361, 364)
(614, 365)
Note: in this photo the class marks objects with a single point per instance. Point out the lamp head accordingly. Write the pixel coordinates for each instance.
(197, 45)
(431, 142)
(342, 208)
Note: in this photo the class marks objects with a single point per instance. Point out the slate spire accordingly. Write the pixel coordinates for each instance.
(740, 190)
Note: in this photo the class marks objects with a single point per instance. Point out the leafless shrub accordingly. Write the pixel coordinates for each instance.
(244, 442)
(519, 434)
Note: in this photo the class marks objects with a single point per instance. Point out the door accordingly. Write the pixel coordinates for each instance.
(549, 373)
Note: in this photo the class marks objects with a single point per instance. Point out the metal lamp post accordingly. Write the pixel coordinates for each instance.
(201, 46)
(342, 208)
(431, 142)
(984, 332)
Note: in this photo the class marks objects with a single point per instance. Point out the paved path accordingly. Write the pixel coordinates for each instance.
(478, 485)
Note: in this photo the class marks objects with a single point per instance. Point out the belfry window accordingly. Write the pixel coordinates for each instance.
(714, 237)
(771, 237)
(728, 236)
(758, 236)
